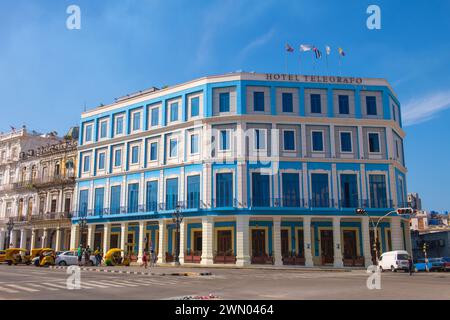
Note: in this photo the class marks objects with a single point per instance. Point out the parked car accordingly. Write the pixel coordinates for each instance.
(70, 258)
(394, 260)
(434, 264)
(446, 263)
(2, 255)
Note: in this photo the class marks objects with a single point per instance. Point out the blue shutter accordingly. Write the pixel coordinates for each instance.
(378, 191)
(371, 103)
(119, 125)
(349, 191)
(155, 117)
(87, 163)
(374, 142)
(195, 106)
(117, 157)
(133, 198)
(194, 143)
(346, 142)
(115, 199)
(224, 190)
(320, 190)
(83, 203)
(152, 196)
(98, 202)
(287, 102)
(224, 102)
(344, 107)
(316, 106)
(171, 193)
(154, 151)
(193, 192)
(260, 190)
(317, 141)
(291, 190)
(258, 98)
(289, 140)
(174, 111)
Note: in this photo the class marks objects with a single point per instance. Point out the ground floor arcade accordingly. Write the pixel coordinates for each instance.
(242, 240)
(56, 237)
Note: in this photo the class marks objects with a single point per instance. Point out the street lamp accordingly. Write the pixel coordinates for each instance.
(9, 227)
(177, 219)
(82, 222)
(400, 211)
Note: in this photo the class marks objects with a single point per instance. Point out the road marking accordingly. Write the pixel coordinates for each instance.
(95, 284)
(42, 287)
(16, 286)
(127, 283)
(60, 286)
(8, 290)
(107, 284)
(120, 283)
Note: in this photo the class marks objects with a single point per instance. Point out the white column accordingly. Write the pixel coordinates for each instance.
(142, 187)
(242, 240)
(207, 240)
(392, 186)
(74, 236)
(90, 235)
(123, 193)
(2, 239)
(182, 183)
(123, 236)
(367, 246)
(332, 141)
(277, 241)
(44, 238)
(305, 188)
(23, 238)
(303, 138)
(363, 184)
(396, 232)
(334, 181)
(183, 225)
(106, 237)
(141, 240)
(338, 262)
(242, 184)
(307, 241)
(162, 241)
(207, 199)
(58, 239)
(361, 139)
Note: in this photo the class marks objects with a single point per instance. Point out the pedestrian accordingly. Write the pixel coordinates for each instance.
(411, 266)
(87, 255)
(152, 255)
(98, 257)
(80, 254)
(144, 260)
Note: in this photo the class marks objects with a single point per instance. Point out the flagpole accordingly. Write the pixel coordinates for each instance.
(340, 65)
(299, 62)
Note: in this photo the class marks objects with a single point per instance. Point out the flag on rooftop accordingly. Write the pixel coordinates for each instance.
(328, 50)
(317, 53)
(341, 52)
(289, 48)
(305, 47)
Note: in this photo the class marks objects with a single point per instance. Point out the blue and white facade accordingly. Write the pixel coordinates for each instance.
(266, 168)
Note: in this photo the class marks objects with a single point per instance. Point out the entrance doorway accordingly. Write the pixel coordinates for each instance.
(197, 245)
(224, 243)
(258, 242)
(114, 241)
(350, 250)
(326, 246)
(285, 243)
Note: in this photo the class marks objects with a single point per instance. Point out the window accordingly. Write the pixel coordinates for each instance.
(133, 197)
(87, 163)
(316, 106)
(224, 140)
(349, 191)
(224, 102)
(378, 197)
(195, 107)
(174, 112)
(119, 125)
(117, 157)
(98, 201)
(317, 141)
(136, 116)
(171, 193)
(155, 117)
(346, 142)
(134, 154)
(173, 148)
(320, 190)
(260, 139)
(287, 102)
(152, 196)
(258, 98)
(103, 129)
(374, 143)
(291, 190)
(260, 190)
(394, 115)
(88, 134)
(115, 199)
(371, 103)
(154, 151)
(194, 143)
(344, 107)
(289, 140)
(224, 190)
(101, 160)
(193, 192)
(83, 203)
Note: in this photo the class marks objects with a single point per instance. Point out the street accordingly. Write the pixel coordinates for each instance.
(28, 282)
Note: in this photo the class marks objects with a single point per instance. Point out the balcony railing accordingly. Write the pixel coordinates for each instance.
(51, 216)
(54, 179)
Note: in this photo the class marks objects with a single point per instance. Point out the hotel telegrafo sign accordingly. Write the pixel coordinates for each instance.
(316, 79)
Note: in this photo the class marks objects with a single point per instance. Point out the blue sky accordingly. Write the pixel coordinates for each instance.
(48, 73)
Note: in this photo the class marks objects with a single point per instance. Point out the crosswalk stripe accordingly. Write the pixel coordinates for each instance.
(60, 286)
(16, 286)
(95, 284)
(104, 282)
(7, 290)
(42, 287)
(129, 283)
(120, 283)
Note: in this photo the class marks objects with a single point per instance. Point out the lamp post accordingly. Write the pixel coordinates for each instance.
(82, 222)
(9, 227)
(177, 219)
(362, 211)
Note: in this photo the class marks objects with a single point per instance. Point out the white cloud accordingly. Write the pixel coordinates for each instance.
(260, 41)
(426, 108)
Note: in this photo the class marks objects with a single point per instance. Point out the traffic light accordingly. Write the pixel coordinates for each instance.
(404, 211)
(425, 247)
(360, 211)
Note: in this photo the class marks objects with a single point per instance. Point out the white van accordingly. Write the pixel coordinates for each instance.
(394, 260)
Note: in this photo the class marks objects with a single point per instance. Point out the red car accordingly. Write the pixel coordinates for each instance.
(446, 263)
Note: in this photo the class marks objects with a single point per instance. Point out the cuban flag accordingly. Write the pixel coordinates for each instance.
(289, 48)
(317, 53)
(341, 52)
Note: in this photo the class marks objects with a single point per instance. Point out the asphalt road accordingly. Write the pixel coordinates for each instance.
(29, 282)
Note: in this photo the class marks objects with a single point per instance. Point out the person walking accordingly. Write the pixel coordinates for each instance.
(411, 266)
(87, 255)
(152, 255)
(80, 254)
(144, 260)
(98, 257)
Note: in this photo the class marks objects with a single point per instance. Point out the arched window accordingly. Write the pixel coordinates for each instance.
(30, 207)
(33, 173)
(20, 208)
(57, 169)
(24, 174)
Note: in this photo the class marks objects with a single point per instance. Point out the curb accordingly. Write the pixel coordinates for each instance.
(183, 274)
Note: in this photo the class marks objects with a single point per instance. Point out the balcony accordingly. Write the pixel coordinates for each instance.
(54, 180)
(50, 216)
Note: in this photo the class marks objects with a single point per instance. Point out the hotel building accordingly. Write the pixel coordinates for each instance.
(265, 169)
